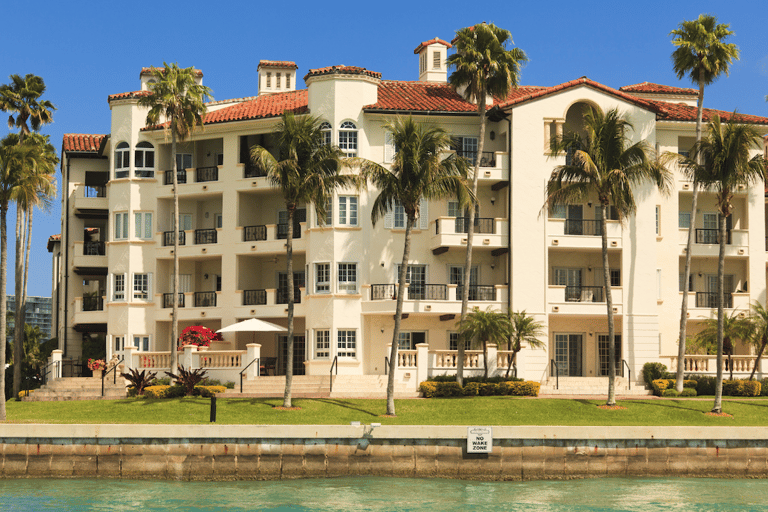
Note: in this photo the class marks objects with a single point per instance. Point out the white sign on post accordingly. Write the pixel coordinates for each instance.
(479, 439)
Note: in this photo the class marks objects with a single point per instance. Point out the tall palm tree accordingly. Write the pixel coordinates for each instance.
(605, 164)
(418, 170)
(484, 66)
(703, 55)
(485, 326)
(176, 100)
(726, 164)
(525, 329)
(21, 97)
(734, 328)
(306, 171)
(759, 338)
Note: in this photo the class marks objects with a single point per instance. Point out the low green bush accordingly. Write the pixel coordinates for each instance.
(209, 390)
(471, 389)
(653, 371)
(442, 378)
(431, 389)
(659, 386)
(164, 391)
(670, 393)
(764, 387)
(489, 389)
(741, 388)
(229, 385)
(428, 388)
(688, 392)
(449, 389)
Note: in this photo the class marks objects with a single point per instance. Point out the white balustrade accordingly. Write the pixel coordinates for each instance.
(221, 358)
(447, 359)
(694, 363)
(406, 358)
(154, 360)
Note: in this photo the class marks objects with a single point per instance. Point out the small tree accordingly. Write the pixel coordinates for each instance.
(734, 328)
(759, 338)
(524, 329)
(485, 326)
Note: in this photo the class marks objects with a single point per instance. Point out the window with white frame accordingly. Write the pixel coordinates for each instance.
(681, 278)
(390, 148)
(119, 288)
(615, 274)
(684, 220)
(325, 129)
(141, 342)
(453, 342)
(122, 160)
(269, 80)
(141, 286)
(423, 62)
(143, 225)
(348, 277)
(287, 80)
(322, 344)
(346, 343)
(322, 277)
(436, 61)
(453, 209)
(658, 220)
(399, 216)
(409, 339)
(278, 76)
(348, 138)
(119, 343)
(348, 210)
(144, 160)
(121, 226)
(328, 215)
(658, 284)
(183, 161)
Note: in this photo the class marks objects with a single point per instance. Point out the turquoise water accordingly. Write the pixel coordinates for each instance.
(373, 494)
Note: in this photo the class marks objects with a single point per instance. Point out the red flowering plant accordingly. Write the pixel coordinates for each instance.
(96, 364)
(198, 335)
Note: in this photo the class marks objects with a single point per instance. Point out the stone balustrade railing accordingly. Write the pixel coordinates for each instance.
(221, 359)
(708, 363)
(406, 359)
(447, 359)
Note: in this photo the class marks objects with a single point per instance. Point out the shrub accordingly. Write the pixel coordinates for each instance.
(188, 379)
(670, 393)
(229, 385)
(208, 391)
(472, 389)
(155, 391)
(764, 387)
(659, 386)
(741, 388)
(688, 392)
(705, 384)
(653, 371)
(449, 389)
(528, 388)
(139, 380)
(428, 389)
(163, 381)
(489, 389)
(442, 378)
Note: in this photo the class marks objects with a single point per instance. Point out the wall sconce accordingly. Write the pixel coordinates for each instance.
(589, 267)
(493, 200)
(275, 259)
(699, 274)
(493, 266)
(208, 154)
(493, 135)
(382, 330)
(589, 204)
(205, 276)
(382, 263)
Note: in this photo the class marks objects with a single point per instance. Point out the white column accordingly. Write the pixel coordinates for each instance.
(252, 351)
(422, 362)
(492, 351)
(186, 358)
(56, 368)
(131, 361)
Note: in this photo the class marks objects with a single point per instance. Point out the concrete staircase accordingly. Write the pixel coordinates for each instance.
(78, 388)
(316, 386)
(368, 386)
(591, 386)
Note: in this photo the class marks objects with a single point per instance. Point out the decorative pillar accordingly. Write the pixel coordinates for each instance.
(56, 358)
(422, 362)
(131, 359)
(252, 352)
(186, 358)
(492, 357)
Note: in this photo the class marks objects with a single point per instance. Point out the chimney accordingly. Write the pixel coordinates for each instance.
(432, 56)
(276, 76)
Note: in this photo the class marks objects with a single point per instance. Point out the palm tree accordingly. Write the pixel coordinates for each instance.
(484, 66)
(734, 328)
(703, 55)
(178, 101)
(21, 97)
(485, 326)
(524, 328)
(606, 164)
(726, 164)
(759, 337)
(418, 170)
(307, 171)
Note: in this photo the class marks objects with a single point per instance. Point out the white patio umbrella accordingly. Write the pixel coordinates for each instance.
(253, 325)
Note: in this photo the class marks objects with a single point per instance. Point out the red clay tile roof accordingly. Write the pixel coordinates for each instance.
(419, 97)
(651, 88)
(432, 41)
(666, 111)
(53, 239)
(341, 70)
(278, 64)
(127, 95)
(82, 143)
(148, 71)
(271, 105)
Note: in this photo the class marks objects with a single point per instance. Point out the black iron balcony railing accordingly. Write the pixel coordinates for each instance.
(487, 159)
(711, 236)
(168, 300)
(94, 248)
(95, 191)
(252, 171)
(282, 295)
(181, 176)
(203, 174)
(583, 227)
(383, 291)
(584, 294)
(427, 292)
(482, 225)
(709, 300)
(282, 231)
(168, 238)
(205, 299)
(205, 236)
(479, 292)
(254, 297)
(254, 233)
(93, 303)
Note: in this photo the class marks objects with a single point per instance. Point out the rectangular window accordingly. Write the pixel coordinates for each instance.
(558, 211)
(348, 210)
(615, 274)
(322, 277)
(141, 342)
(404, 341)
(287, 80)
(183, 161)
(269, 80)
(436, 62)
(121, 226)
(658, 220)
(453, 342)
(613, 213)
(143, 225)
(119, 343)
(277, 80)
(141, 286)
(658, 284)
(603, 344)
(346, 344)
(423, 62)
(348, 277)
(322, 344)
(399, 216)
(453, 209)
(681, 278)
(684, 220)
(119, 287)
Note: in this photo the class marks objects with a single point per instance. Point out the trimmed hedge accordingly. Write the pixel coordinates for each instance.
(653, 371)
(660, 385)
(741, 388)
(443, 389)
(688, 392)
(163, 391)
(671, 392)
(705, 385)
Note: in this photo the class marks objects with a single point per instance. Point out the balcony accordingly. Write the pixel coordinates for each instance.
(282, 295)
(282, 231)
(94, 248)
(254, 297)
(205, 236)
(92, 254)
(707, 242)
(90, 310)
(711, 236)
(441, 299)
(91, 201)
(710, 300)
(268, 302)
(181, 177)
(583, 234)
(254, 233)
(487, 158)
(168, 300)
(706, 302)
(271, 238)
(93, 303)
(252, 171)
(168, 238)
(205, 174)
(451, 232)
(583, 300)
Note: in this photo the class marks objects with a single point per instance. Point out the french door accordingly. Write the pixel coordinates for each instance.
(569, 349)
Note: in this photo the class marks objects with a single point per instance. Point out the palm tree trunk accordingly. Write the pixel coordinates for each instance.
(289, 348)
(485, 358)
(684, 308)
(509, 358)
(410, 219)
(18, 330)
(470, 236)
(26, 262)
(176, 230)
(3, 302)
(759, 355)
(609, 305)
(718, 406)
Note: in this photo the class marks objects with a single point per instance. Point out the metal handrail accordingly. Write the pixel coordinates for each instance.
(386, 365)
(258, 371)
(114, 375)
(334, 364)
(44, 370)
(514, 370)
(629, 373)
(552, 363)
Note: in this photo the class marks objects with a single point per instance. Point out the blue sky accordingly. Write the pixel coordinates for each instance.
(86, 50)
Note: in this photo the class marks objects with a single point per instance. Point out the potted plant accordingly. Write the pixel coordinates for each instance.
(97, 366)
(199, 336)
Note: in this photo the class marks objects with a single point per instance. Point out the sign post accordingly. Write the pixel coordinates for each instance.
(479, 439)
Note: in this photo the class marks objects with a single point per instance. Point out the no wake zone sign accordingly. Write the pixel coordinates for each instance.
(479, 439)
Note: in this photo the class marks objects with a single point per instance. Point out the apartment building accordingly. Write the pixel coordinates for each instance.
(38, 314)
(115, 256)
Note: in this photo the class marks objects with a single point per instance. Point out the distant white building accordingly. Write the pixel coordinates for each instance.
(38, 314)
(113, 275)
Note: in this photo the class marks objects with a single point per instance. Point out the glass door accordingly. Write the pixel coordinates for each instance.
(299, 347)
(568, 354)
(603, 345)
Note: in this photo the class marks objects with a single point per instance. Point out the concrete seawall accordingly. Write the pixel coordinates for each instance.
(271, 452)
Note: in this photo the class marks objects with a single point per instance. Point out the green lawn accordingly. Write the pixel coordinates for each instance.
(459, 411)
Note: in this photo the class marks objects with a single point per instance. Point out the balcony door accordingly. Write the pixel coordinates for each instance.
(728, 289)
(574, 224)
(571, 278)
(569, 349)
(282, 287)
(299, 347)
(416, 277)
(603, 345)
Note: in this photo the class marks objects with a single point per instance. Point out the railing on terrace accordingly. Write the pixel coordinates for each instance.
(254, 233)
(406, 359)
(181, 177)
(205, 299)
(94, 248)
(168, 238)
(479, 292)
(709, 300)
(428, 292)
(383, 291)
(221, 358)
(282, 295)
(95, 191)
(252, 171)
(708, 363)
(482, 225)
(447, 359)
(93, 303)
(711, 236)
(168, 300)
(584, 294)
(487, 159)
(205, 236)
(154, 359)
(203, 174)
(282, 231)
(504, 360)
(581, 227)
(254, 297)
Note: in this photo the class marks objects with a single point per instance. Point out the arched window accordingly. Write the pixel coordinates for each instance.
(122, 160)
(144, 160)
(325, 128)
(348, 138)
